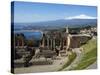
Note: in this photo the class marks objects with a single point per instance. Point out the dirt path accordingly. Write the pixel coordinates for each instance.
(92, 66)
(77, 59)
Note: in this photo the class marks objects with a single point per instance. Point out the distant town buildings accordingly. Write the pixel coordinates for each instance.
(91, 31)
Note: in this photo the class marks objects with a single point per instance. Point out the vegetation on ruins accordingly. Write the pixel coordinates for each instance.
(30, 43)
(19, 37)
(70, 60)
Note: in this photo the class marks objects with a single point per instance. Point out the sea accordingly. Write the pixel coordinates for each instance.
(37, 35)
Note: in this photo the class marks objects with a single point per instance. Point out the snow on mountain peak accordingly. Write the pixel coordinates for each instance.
(82, 16)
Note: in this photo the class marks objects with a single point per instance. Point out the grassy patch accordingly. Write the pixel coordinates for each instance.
(86, 61)
(70, 60)
(90, 55)
(91, 44)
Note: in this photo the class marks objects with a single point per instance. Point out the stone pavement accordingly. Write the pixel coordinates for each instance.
(41, 65)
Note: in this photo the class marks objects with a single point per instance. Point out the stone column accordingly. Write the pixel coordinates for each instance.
(54, 43)
(61, 44)
(48, 42)
(22, 42)
(43, 42)
(68, 44)
(17, 42)
(51, 43)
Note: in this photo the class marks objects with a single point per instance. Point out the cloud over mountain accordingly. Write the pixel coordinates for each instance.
(82, 16)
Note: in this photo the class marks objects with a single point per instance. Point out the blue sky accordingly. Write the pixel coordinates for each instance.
(26, 12)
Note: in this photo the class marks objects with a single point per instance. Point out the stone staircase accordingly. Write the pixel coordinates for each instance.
(63, 53)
